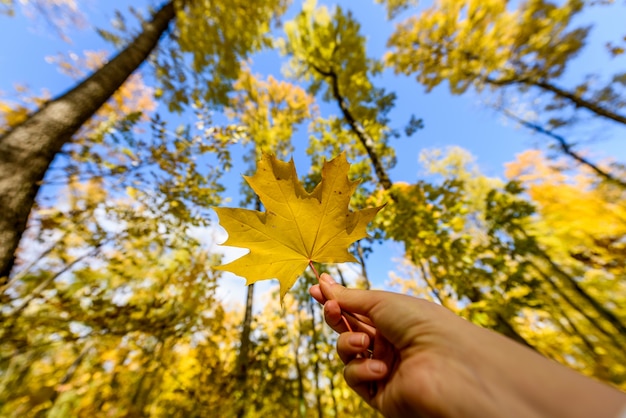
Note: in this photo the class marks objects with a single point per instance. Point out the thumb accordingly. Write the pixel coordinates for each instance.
(355, 301)
(391, 313)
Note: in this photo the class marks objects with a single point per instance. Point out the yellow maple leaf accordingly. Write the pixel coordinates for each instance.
(297, 227)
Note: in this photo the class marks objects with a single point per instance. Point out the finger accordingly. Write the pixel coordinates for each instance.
(352, 344)
(353, 300)
(360, 373)
(337, 318)
(392, 314)
(317, 294)
(364, 320)
(333, 316)
(381, 349)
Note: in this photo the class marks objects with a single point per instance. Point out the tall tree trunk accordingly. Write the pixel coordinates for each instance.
(361, 257)
(299, 372)
(139, 399)
(243, 358)
(27, 150)
(316, 364)
(69, 374)
(331, 386)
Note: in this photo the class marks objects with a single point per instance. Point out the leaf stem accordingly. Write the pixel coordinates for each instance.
(314, 270)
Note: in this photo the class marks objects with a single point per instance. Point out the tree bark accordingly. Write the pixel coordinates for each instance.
(243, 359)
(27, 150)
(316, 362)
(366, 140)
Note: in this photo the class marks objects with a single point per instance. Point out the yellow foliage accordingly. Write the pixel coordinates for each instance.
(269, 109)
(12, 116)
(573, 209)
(328, 51)
(467, 42)
(218, 34)
(394, 7)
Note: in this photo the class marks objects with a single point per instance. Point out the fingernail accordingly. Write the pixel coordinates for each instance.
(375, 366)
(357, 340)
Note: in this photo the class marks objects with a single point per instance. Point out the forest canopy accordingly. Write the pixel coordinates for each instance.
(491, 133)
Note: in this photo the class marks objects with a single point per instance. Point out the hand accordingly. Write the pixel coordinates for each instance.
(428, 362)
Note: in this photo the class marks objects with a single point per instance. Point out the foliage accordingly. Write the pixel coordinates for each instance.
(489, 255)
(328, 51)
(522, 56)
(477, 42)
(215, 36)
(117, 306)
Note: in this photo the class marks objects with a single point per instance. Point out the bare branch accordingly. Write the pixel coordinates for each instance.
(566, 147)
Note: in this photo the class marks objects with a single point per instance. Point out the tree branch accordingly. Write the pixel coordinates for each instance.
(580, 102)
(366, 140)
(44, 285)
(566, 148)
(564, 94)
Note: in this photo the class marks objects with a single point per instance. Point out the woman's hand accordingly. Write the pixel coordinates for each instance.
(409, 357)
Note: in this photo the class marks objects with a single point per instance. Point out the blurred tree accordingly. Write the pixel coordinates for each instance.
(482, 250)
(483, 44)
(58, 16)
(216, 45)
(268, 111)
(113, 309)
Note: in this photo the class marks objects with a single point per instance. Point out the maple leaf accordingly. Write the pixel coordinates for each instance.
(297, 227)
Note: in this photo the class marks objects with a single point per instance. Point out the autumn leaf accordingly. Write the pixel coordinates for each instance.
(297, 227)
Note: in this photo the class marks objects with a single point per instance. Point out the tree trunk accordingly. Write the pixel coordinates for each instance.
(69, 374)
(316, 364)
(243, 359)
(300, 373)
(27, 150)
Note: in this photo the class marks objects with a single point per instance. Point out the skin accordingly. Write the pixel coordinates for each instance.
(410, 357)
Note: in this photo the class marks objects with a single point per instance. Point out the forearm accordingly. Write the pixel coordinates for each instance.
(525, 382)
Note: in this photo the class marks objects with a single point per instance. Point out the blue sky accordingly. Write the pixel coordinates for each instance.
(449, 120)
